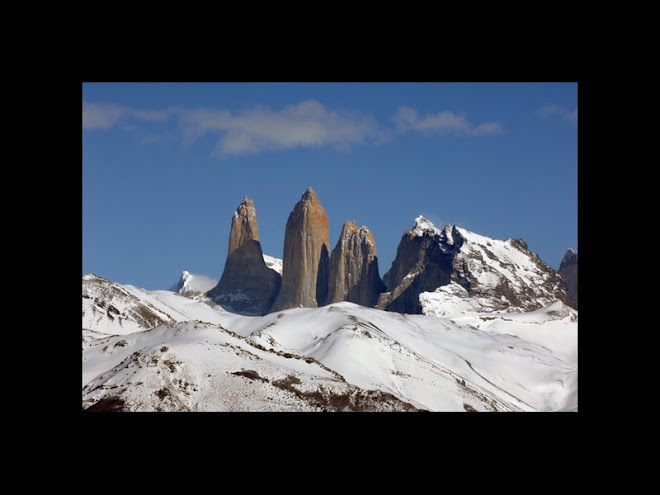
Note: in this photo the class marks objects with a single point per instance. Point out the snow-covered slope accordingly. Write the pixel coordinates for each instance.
(193, 283)
(109, 308)
(195, 366)
(441, 364)
(336, 357)
(273, 263)
(112, 308)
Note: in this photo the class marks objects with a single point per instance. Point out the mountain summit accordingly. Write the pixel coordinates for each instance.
(306, 255)
(247, 285)
(455, 271)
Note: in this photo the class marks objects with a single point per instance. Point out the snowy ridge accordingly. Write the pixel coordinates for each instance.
(423, 225)
(193, 283)
(489, 275)
(337, 357)
(113, 309)
(193, 366)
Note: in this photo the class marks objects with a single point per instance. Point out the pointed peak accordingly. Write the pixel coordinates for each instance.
(422, 225)
(246, 201)
(570, 258)
(245, 208)
(349, 226)
(309, 195)
(244, 225)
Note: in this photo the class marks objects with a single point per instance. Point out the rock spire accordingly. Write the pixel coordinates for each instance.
(306, 256)
(354, 267)
(247, 285)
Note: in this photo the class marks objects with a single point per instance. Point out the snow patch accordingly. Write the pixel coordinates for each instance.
(194, 283)
(422, 225)
(273, 263)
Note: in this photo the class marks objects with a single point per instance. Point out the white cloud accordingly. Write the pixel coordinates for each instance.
(102, 115)
(108, 115)
(556, 111)
(548, 110)
(306, 124)
(445, 122)
(155, 114)
(487, 128)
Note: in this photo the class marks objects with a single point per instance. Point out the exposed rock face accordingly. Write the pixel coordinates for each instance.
(306, 256)
(569, 272)
(354, 267)
(424, 262)
(247, 285)
(437, 272)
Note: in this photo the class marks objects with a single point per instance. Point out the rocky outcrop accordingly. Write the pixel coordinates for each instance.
(247, 285)
(423, 262)
(354, 267)
(452, 270)
(306, 256)
(569, 272)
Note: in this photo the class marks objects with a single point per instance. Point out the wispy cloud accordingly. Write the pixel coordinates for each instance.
(102, 115)
(446, 122)
(306, 124)
(564, 114)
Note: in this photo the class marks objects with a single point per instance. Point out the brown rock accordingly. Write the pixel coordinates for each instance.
(306, 256)
(354, 267)
(244, 227)
(247, 285)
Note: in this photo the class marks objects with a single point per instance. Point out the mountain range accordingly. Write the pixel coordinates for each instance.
(459, 322)
(434, 268)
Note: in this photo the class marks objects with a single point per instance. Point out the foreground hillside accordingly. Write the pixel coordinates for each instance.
(158, 350)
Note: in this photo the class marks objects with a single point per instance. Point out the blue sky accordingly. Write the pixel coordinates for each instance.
(166, 165)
